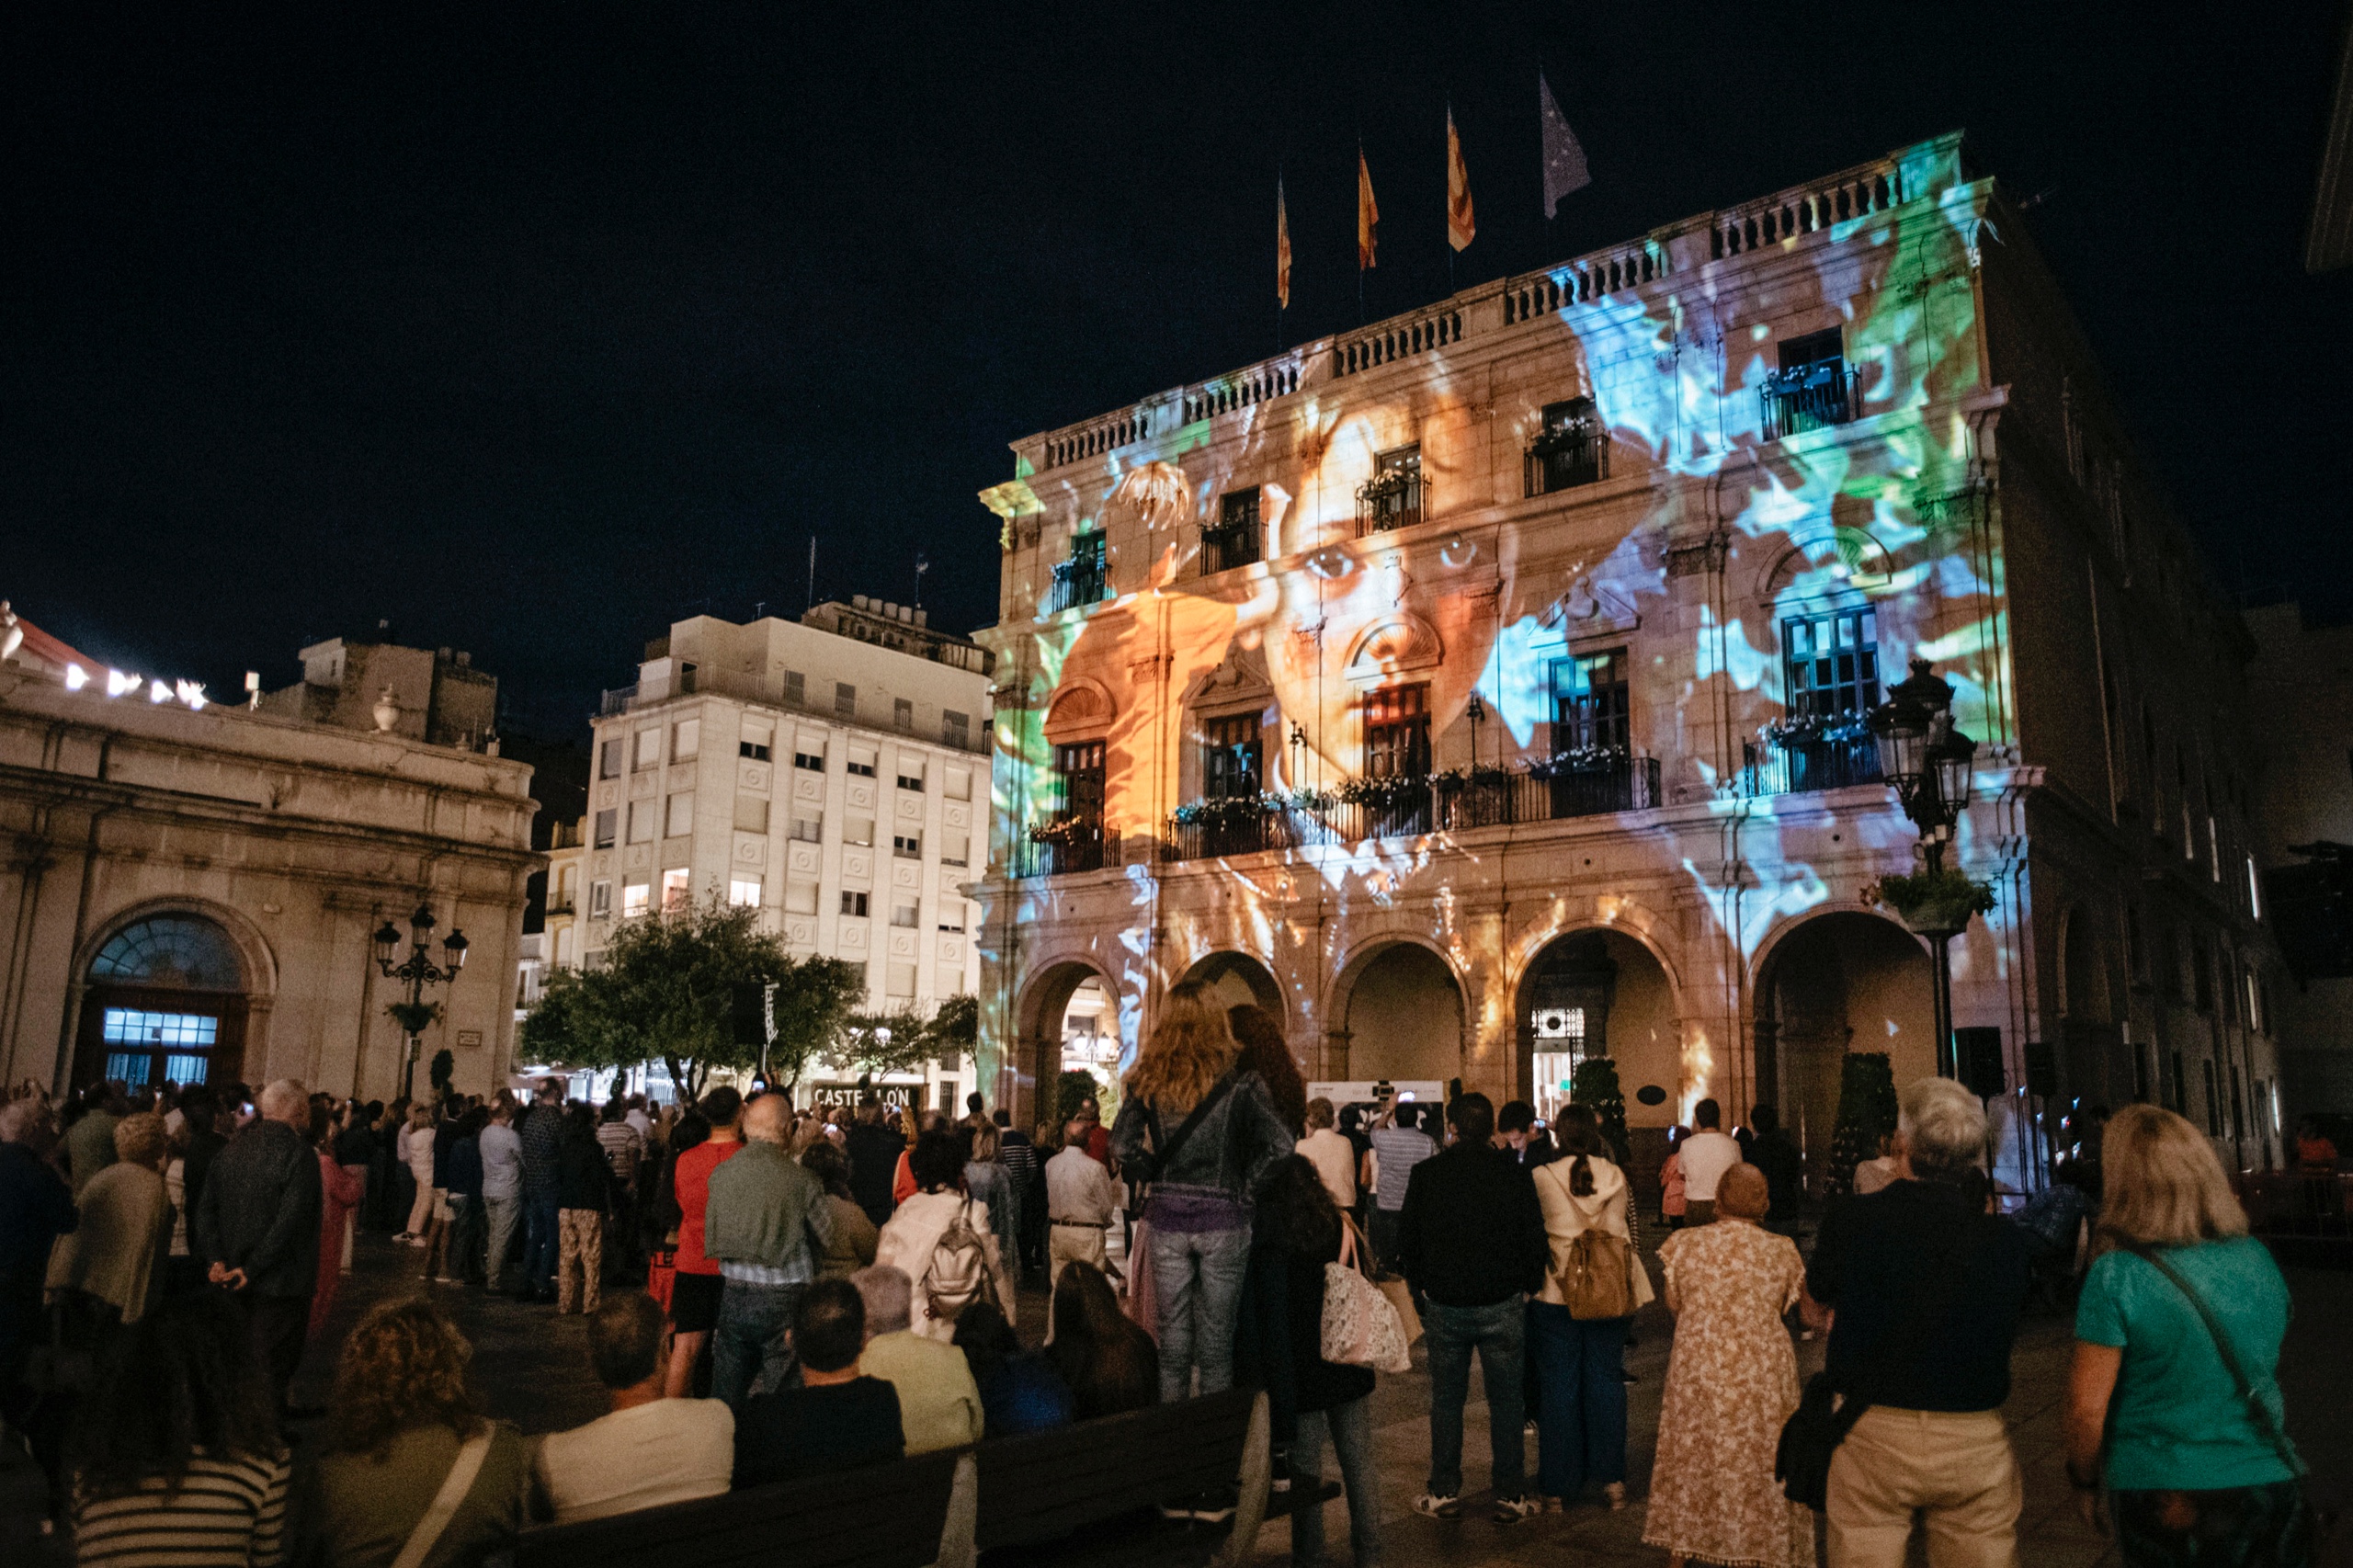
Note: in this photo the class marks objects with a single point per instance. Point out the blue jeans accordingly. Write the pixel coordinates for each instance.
(750, 1348)
(1495, 1333)
(1350, 1427)
(1197, 1277)
(539, 1242)
(1581, 1399)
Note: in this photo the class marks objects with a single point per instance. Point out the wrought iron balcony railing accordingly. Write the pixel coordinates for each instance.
(1562, 459)
(1061, 846)
(1078, 582)
(1797, 765)
(1807, 398)
(1388, 500)
(1225, 548)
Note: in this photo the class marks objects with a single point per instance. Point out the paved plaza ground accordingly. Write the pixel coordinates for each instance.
(533, 1370)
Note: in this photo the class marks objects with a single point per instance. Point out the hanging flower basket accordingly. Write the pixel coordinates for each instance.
(1933, 903)
(1386, 794)
(413, 1017)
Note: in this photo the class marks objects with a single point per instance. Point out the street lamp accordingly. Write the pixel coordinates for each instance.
(1476, 711)
(1930, 765)
(419, 971)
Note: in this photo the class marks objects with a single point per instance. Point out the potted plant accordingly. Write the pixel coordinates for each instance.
(1936, 902)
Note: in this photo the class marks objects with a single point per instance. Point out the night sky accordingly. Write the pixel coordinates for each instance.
(531, 331)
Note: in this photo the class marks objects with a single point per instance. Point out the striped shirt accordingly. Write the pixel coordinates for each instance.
(226, 1514)
(623, 1147)
(1396, 1151)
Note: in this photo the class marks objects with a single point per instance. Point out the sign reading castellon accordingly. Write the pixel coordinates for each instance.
(1483, 689)
(191, 889)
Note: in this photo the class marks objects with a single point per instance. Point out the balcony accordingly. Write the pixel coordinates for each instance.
(1563, 459)
(1552, 790)
(615, 701)
(1809, 397)
(1388, 500)
(1058, 846)
(1797, 763)
(1225, 548)
(1079, 581)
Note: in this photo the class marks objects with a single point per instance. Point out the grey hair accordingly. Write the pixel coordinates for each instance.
(1943, 1126)
(889, 1298)
(280, 1099)
(17, 1120)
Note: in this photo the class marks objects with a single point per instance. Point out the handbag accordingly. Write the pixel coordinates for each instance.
(1810, 1438)
(2315, 1524)
(1360, 1326)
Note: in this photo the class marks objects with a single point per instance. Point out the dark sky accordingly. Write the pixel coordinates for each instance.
(531, 331)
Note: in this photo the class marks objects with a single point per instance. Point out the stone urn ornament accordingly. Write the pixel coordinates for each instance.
(387, 711)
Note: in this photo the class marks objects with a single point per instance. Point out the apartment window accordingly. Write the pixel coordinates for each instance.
(905, 914)
(607, 824)
(751, 814)
(679, 821)
(1811, 389)
(911, 774)
(953, 924)
(635, 898)
(744, 893)
(907, 846)
(600, 901)
(2177, 1091)
(902, 713)
(1230, 757)
(2213, 1100)
(853, 902)
(861, 763)
(1592, 703)
(1078, 780)
(1392, 498)
(809, 830)
(844, 700)
(2254, 994)
(1397, 733)
(859, 832)
(1079, 580)
(960, 787)
(1831, 662)
(1237, 539)
(675, 893)
(800, 898)
(1572, 449)
(956, 851)
(796, 689)
(649, 748)
(2238, 1103)
(2254, 892)
(608, 760)
(641, 821)
(809, 758)
(902, 980)
(685, 740)
(757, 750)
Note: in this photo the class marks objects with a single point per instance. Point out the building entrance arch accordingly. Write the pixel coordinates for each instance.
(1843, 980)
(1594, 993)
(1403, 1011)
(164, 1000)
(1238, 980)
(1069, 1016)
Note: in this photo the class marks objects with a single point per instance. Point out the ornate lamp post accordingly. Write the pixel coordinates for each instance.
(419, 971)
(1476, 711)
(1930, 765)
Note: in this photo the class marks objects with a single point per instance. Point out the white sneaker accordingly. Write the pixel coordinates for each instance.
(1437, 1507)
(1511, 1510)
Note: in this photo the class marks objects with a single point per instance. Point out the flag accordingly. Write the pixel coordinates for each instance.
(1460, 225)
(1564, 169)
(1367, 215)
(1282, 248)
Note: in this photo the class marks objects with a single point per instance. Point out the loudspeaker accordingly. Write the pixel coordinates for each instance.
(1980, 1050)
(748, 1013)
(2041, 1069)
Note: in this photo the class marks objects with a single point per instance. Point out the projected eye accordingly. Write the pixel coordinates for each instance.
(1331, 564)
(1458, 551)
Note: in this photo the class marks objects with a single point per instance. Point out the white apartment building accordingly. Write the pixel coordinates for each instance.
(832, 772)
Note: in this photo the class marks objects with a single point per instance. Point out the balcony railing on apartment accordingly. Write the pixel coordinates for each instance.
(616, 700)
(1076, 583)
(1408, 808)
(1807, 398)
(1563, 459)
(1058, 846)
(1797, 764)
(1388, 500)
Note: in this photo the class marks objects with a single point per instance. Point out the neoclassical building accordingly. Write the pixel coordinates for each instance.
(1481, 690)
(188, 891)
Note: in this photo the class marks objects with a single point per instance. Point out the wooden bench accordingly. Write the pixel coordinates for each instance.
(913, 1514)
(1050, 1486)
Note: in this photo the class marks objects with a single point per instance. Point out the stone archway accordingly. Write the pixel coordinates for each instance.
(1237, 979)
(166, 997)
(1403, 1011)
(1057, 991)
(1599, 992)
(1843, 981)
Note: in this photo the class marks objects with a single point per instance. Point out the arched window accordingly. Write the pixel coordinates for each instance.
(164, 1004)
(180, 951)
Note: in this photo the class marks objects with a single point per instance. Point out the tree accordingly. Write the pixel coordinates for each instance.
(903, 1040)
(1866, 1115)
(665, 992)
(1594, 1085)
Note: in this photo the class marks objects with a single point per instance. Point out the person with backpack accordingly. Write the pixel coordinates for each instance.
(1578, 1321)
(943, 1239)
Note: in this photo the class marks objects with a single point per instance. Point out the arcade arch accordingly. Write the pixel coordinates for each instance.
(1238, 980)
(1845, 980)
(1404, 1013)
(1599, 992)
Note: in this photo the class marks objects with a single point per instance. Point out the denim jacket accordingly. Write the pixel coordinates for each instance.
(1236, 1141)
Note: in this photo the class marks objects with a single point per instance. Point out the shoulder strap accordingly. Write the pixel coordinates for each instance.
(444, 1506)
(1218, 1091)
(2264, 1420)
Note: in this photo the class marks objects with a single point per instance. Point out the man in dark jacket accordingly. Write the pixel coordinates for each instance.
(257, 1227)
(36, 1207)
(1471, 1242)
(874, 1150)
(543, 1133)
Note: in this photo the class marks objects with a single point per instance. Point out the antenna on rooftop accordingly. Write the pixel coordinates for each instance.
(812, 574)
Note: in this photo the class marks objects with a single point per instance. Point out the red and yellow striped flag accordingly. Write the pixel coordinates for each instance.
(1367, 215)
(1459, 224)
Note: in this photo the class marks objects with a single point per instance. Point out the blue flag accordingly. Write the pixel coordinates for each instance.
(1564, 169)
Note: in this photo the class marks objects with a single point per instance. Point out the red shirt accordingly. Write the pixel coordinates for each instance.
(691, 1183)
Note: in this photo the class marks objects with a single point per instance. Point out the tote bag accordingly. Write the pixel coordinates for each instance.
(1361, 1327)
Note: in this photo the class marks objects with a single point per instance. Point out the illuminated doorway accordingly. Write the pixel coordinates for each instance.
(166, 1004)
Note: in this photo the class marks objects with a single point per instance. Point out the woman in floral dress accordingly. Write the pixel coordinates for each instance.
(1731, 1383)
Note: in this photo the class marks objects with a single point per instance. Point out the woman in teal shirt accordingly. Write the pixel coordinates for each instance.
(2194, 1473)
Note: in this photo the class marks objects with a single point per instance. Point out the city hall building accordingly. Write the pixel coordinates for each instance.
(1482, 689)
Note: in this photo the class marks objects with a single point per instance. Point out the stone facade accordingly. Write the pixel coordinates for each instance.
(1545, 610)
(140, 833)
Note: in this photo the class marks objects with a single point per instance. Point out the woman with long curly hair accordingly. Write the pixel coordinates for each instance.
(399, 1422)
(1199, 1129)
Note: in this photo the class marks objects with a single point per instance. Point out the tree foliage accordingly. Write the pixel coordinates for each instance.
(665, 992)
(902, 1040)
(1866, 1115)
(1594, 1085)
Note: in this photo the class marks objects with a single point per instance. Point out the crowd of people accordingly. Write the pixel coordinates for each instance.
(824, 1293)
